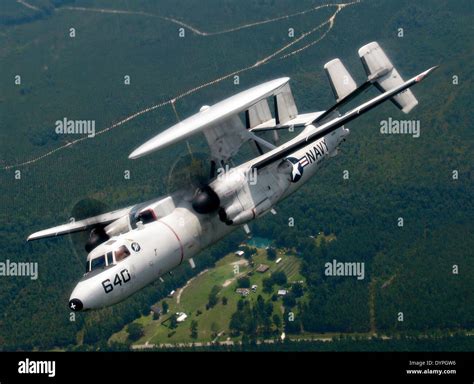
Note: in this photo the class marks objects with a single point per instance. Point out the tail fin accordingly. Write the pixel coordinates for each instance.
(380, 69)
(285, 107)
(341, 81)
(326, 128)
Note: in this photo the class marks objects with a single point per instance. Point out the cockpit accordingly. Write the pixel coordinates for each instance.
(112, 257)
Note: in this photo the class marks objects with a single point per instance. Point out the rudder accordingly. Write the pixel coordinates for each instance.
(379, 68)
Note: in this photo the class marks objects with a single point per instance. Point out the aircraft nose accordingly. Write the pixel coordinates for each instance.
(76, 305)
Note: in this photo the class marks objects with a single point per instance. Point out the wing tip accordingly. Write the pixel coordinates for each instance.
(424, 74)
(33, 236)
(139, 152)
(367, 47)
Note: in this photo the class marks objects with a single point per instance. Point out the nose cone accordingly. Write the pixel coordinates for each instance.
(89, 294)
(84, 297)
(76, 305)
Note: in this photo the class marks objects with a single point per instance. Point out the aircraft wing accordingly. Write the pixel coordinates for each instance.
(327, 127)
(224, 130)
(81, 225)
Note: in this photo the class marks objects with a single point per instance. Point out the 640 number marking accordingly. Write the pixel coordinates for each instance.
(120, 278)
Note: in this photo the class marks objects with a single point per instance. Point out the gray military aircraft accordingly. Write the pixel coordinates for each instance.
(130, 248)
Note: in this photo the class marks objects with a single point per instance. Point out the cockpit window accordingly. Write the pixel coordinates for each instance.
(101, 261)
(110, 258)
(146, 216)
(121, 253)
(98, 262)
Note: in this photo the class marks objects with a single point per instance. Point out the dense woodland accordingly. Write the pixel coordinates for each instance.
(408, 269)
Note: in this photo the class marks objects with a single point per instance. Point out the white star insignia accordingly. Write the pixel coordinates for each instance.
(296, 171)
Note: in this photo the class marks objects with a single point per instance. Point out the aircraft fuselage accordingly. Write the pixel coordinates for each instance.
(160, 246)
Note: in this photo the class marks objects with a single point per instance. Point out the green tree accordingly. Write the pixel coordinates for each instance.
(236, 323)
(267, 285)
(276, 320)
(271, 254)
(292, 326)
(260, 307)
(173, 322)
(224, 300)
(279, 278)
(297, 290)
(213, 296)
(289, 300)
(243, 282)
(268, 309)
(267, 326)
(249, 252)
(135, 331)
(165, 307)
(194, 329)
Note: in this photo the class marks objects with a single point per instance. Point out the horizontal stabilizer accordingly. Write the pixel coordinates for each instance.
(300, 142)
(332, 112)
(299, 121)
(380, 69)
(341, 81)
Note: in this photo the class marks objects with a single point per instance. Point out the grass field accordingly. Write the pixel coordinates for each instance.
(193, 297)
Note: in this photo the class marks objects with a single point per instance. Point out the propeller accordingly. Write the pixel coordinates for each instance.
(88, 240)
(192, 172)
(189, 172)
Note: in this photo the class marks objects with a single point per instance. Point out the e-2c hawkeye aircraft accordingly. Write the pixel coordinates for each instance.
(130, 248)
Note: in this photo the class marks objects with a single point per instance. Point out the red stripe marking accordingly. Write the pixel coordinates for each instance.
(179, 240)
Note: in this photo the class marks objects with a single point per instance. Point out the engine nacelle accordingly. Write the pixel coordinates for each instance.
(229, 183)
(118, 226)
(208, 199)
(235, 216)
